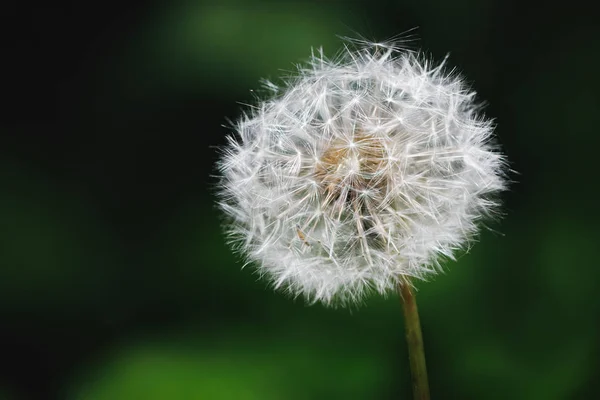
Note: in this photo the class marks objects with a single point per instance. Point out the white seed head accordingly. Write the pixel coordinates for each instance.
(360, 172)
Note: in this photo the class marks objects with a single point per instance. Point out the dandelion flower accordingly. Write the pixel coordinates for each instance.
(359, 173)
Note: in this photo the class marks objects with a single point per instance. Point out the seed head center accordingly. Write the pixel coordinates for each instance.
(352, 166)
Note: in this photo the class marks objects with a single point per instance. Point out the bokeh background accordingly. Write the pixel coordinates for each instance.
(116, 283)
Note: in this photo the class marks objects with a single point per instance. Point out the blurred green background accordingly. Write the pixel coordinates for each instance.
(116, 283)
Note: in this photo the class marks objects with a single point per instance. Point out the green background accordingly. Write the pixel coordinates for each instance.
(116, 283)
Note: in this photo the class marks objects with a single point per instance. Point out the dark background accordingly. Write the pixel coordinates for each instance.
(115, 282)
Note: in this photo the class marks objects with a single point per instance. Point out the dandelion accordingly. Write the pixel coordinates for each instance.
(360, 173)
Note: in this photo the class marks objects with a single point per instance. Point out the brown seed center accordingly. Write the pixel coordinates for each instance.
(351, 166)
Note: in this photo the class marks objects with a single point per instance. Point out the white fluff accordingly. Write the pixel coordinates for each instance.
(358, 173)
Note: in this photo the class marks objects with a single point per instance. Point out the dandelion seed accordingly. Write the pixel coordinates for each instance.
(361, 172)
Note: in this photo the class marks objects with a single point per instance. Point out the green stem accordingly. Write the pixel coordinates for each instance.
(414, 339)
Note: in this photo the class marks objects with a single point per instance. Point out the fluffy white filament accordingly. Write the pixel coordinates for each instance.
(358, 173)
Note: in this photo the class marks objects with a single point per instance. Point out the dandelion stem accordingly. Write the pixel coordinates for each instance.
(414, 339)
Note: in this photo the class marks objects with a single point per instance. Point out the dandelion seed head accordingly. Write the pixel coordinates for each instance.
(359, 172)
